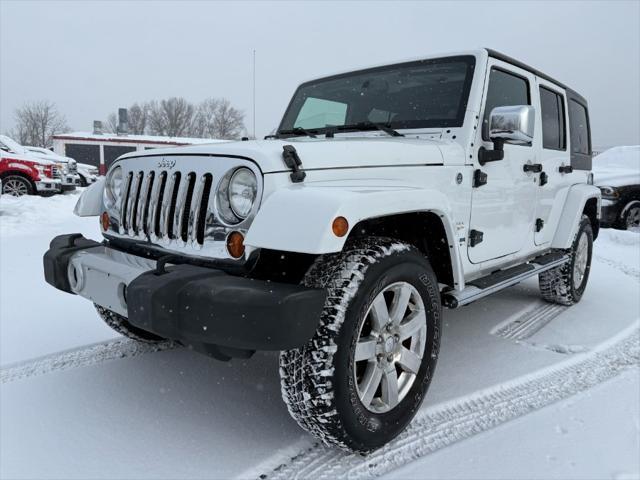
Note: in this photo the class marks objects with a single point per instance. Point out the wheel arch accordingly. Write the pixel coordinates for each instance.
(582, 199)
(299, 219)
(426, 231)
(18, 173)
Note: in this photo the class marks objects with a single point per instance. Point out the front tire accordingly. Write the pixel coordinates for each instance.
(121, 325)
(566, 284)
(16, 186)
(362, 377)
(631, 219)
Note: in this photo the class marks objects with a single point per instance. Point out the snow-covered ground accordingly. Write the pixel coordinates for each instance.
(523, 389)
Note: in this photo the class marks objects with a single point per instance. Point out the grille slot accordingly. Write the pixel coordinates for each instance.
(172, 204)
(136, 201)
(166, 207)
(157, 211)
(201, 218)
(186, 207)
(147, 204)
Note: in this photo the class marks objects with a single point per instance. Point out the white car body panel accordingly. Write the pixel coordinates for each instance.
(90, 203)
(575, 202)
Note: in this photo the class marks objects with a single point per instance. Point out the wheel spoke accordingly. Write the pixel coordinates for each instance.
(400, 303)
(379, 312)
(409, 361)
(390, 387)
(369, 384)
(365, 349)
(412, 324)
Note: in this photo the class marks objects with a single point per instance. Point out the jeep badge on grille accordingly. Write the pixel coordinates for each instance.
(167, 163)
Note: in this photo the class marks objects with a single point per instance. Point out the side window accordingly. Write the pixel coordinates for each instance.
(318, 111)
(579, 128)
(505, 89)
(553, 128)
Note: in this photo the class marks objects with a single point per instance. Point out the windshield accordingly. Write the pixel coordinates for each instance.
(14, 146)
(423, 94)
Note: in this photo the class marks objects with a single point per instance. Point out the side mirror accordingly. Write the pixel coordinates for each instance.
(510, 124)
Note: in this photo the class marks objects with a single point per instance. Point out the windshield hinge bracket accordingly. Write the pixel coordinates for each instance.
(292, 160)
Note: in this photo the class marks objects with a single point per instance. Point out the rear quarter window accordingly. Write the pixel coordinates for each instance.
(579, 128)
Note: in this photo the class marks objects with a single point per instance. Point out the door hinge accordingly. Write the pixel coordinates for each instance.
(544, 178)
(479, 178)
(565, 169)
(539, 224)
(475, 237)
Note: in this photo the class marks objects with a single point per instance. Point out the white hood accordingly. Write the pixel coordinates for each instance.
(321, 153)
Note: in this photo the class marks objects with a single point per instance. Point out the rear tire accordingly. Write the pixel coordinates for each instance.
(566, 284)
(329, 385)
(121, 325)
(16, 186)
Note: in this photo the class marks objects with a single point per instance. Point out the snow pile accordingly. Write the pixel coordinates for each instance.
(30, 214)
(617, 166)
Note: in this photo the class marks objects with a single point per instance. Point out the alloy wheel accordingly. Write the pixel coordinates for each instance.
(390, 347)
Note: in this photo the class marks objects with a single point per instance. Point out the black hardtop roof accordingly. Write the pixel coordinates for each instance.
(506, 58)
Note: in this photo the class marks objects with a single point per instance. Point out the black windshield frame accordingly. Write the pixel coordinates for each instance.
(458, 121)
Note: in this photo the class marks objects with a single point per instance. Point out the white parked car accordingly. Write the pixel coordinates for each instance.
(87, 174)
(385, 195)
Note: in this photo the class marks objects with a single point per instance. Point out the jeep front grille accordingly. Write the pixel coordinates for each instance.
(167, 205)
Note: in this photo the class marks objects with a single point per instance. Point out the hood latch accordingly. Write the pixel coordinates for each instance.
(292, 160)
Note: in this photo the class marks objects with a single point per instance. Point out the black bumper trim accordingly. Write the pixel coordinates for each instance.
(194, 304)
(56, 259)
(198, 305)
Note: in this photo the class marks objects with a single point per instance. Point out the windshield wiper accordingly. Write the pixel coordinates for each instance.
(371, 126)
(297, 131)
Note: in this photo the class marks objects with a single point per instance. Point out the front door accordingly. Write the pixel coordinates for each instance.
(503, 209)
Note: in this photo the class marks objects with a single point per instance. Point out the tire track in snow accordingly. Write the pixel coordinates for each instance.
(626, 269)
(443, 425)
(80, 357)
(528, 323)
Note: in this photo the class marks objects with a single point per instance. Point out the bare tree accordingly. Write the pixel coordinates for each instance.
(111, 125)
(37, 122)
(139, 118)
(172, 117)
(216, 118)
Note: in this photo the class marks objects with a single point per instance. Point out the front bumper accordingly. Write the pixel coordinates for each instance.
(48, 185)
(191, 304)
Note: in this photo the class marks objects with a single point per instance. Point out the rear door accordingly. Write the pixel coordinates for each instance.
(554, 181)
(503, 209)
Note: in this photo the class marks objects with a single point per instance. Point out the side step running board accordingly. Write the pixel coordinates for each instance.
(481, 287)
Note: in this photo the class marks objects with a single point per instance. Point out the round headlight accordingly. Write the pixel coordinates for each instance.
(243, 188)
(113, 187)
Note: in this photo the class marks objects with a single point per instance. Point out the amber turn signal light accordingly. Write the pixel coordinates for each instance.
(235, 244)
(104, 221)
(340, 226)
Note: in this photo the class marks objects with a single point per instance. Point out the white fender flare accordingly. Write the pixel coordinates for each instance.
(299, 218)
(577, 198)
(90, 202)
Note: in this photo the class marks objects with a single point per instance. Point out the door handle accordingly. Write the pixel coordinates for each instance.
(532, 167)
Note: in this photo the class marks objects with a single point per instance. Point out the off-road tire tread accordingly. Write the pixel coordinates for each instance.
(305, 372)
(556, 284)
(120, 324)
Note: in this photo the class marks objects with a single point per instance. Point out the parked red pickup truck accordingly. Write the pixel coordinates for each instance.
(27, 176)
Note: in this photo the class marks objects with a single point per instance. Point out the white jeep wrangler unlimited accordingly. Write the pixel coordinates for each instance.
(385, 194)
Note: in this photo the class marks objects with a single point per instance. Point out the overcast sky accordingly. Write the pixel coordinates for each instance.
(92, 57)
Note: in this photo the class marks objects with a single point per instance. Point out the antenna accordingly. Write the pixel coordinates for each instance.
(254, 94)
